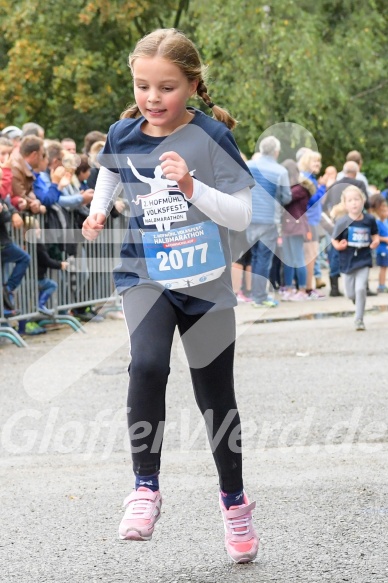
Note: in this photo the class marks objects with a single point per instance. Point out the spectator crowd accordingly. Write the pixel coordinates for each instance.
(43, 182)
(295, 208)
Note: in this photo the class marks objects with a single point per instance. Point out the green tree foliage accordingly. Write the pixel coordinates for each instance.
(319, 64)
(63, 64)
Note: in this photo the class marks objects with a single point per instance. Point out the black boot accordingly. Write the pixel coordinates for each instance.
(8, 299)
(335, 292)
(369, 292)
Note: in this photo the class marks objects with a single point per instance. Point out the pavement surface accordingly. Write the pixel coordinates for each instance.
(312, 395)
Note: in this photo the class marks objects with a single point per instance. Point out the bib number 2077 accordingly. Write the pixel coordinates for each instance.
(179, 258)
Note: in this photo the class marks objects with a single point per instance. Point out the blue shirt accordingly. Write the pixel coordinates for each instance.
(314, 205)
(358, 253)
(48, 194)
(272, 189)
(382, 226)
(211, 154)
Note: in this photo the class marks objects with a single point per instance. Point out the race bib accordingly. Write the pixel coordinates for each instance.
(359, 237)
(184, 257)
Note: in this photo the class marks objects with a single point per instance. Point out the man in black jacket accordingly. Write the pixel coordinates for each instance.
(333, 195)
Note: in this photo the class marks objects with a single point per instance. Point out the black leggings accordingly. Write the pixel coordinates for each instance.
(209, 345)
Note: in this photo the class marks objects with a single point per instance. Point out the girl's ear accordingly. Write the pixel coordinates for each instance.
(193, 87)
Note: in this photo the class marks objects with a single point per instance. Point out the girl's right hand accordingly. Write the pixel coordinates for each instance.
(93, 225)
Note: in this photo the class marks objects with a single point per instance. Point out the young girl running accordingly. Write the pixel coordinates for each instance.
(354, 235)
(186, 184)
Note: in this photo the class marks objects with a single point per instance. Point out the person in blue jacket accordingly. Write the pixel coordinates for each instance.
(310, 165)
(379, 209)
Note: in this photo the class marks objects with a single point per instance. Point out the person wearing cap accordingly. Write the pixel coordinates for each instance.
(23, 166)
(14, 134)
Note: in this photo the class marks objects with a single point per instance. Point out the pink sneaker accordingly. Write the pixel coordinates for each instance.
(299, 297)
(315, 295)
(241, 540)
(242, 298)
(142, 512)
(286, 296)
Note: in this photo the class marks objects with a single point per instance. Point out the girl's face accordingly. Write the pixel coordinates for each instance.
(161, 92)
(316, 165)
(353, 204)
(382, 211)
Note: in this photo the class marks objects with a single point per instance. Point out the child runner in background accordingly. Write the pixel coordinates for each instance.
(379, 209)
(186, 185)
(354, 235)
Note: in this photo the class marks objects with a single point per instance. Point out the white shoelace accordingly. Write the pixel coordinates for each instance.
(240, 523)
(138, 507)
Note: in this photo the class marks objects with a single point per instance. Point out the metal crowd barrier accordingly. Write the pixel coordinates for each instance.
(87, 281)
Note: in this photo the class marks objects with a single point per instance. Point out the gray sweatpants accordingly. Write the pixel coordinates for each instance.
(356, 284)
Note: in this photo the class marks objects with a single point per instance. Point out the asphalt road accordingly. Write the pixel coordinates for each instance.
(313, 398)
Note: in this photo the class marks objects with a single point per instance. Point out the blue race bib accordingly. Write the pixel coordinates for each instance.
(184, 257)
(359, 236)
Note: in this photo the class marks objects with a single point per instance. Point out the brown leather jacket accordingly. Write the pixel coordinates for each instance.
(22, 181)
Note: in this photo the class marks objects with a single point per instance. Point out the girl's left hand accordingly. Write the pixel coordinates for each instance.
(375, 243)
(175, 168)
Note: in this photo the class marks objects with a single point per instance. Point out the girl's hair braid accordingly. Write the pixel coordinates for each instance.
(173, 45)
(218, 112)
